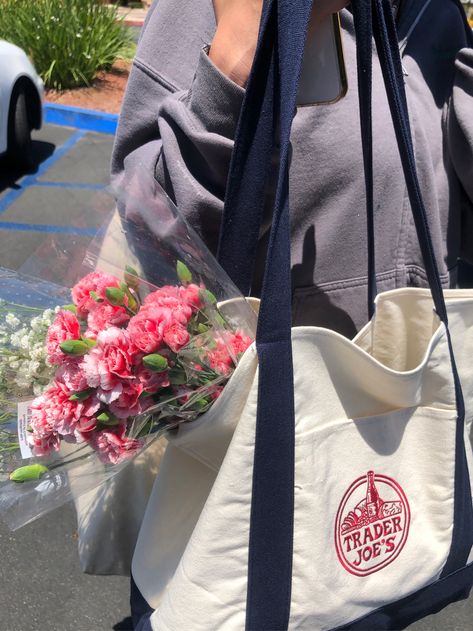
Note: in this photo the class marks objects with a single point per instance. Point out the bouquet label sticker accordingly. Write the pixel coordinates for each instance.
(24, 419)
(372, 524)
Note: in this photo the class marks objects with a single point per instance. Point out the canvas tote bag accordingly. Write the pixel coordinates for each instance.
(329, 485)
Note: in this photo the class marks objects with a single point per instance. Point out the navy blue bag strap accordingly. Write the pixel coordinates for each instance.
(386, 43)
(278, 62)
(272, 508)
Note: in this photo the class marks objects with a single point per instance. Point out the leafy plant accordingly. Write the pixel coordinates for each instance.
(68, 41)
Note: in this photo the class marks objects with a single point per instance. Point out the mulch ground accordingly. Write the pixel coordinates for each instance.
(105, 94)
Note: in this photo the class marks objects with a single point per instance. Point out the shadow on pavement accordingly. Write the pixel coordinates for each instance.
(125, 625)
(9, 176)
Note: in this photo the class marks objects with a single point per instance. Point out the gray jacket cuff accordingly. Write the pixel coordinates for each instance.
(215, 99)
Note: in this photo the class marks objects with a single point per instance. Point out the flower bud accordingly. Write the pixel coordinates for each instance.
(183, 273)
(89, 341)
(155, 362)
(72, 308)
(74, 347)
(115, 296)
(29, 472)
(131, 277)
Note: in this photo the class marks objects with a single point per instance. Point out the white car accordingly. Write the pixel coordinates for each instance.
(21, 97)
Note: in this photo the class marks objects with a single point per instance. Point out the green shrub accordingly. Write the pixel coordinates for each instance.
(69, 41)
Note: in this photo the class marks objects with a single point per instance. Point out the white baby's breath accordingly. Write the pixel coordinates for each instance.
(12, 321)
(23, 366)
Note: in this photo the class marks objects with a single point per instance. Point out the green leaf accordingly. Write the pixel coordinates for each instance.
(95, 296)
(177, 377)
(29, 472)
(74, 347)
(183, 273)
(71, 308)
(145, 394)
(210, 342)
(107, 418)
(201, 328)
(200, 404)
(219, 321)
(207, 297)
(81, 396)
(155, 362)
(115, 296)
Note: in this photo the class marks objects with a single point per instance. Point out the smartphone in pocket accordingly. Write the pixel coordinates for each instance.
(323, 77)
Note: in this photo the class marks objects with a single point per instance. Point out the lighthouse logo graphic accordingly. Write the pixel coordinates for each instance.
(372, 524)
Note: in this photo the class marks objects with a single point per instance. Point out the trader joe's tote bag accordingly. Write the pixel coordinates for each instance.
(329, 486)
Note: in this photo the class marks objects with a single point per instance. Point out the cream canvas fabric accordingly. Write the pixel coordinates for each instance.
(375, 427)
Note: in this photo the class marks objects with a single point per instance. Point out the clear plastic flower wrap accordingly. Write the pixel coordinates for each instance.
(99, 359)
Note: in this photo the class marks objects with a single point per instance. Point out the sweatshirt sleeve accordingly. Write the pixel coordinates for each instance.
(187, 145)
(460, 140)
(197, 131)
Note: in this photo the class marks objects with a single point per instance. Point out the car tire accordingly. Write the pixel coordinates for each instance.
(20, 147)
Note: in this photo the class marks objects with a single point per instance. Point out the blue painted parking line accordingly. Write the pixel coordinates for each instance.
(80, 118)
(38, 227)
(30, 180)
(71, 185)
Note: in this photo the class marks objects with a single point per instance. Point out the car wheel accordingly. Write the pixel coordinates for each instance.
(20, 149)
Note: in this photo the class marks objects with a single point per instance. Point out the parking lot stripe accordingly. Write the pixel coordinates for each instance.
(71, 185)
(7, 200)
(35, 227)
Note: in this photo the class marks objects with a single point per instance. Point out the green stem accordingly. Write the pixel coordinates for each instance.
(12, 448)
(76, 459)
(25, 307)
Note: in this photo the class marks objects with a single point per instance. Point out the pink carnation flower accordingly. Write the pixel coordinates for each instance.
(44, 444)
(240, 342)
(128, 403)
(72, 375)
(229, 346)
(191, 295)
(109, 363)
(176, 336)
(156, 296)
(146, 329)
(181, 312)
(65, 327)
(152, 381)
(182, 299)
(54, 416)
(113, 446)
(103, 315)
(95, 282)
(219, 358)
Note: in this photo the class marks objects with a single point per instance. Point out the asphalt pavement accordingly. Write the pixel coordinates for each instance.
(41, 584)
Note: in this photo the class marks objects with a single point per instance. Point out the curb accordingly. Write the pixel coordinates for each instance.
(80, 118)
(135, 23)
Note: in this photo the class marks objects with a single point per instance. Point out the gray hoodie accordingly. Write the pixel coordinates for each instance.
(179, 117)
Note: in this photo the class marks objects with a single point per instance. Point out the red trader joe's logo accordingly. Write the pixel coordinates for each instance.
(372, 524)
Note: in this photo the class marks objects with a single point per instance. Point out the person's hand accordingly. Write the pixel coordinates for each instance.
(233, 47)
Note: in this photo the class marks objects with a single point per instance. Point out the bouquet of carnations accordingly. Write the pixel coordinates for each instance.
(91, 375)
